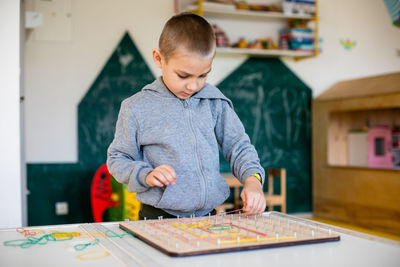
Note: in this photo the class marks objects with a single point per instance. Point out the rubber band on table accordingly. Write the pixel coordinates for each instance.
(101, 255)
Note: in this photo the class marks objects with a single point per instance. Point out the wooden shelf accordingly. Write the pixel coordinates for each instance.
(264, 52)
(364, 196)
(210, 9)
(246, 14)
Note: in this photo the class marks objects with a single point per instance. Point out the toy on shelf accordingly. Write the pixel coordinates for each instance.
(243, 5)
(242, 43)
(266, 43)
(255, 44)
(269, 43)
(301, 7)
(297, 39)
(379, 155)
(220, 36)
(357, 144)
(377, 147)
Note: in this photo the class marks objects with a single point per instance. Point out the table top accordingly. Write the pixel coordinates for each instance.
(104, 244)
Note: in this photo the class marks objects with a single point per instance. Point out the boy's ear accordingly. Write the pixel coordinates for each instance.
(157, 57)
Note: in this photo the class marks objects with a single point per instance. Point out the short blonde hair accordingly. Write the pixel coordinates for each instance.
(188, 30)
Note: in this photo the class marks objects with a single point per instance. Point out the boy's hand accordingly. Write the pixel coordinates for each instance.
(253, 196)
(160, 176)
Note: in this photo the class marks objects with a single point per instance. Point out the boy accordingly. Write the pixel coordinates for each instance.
(165, 146)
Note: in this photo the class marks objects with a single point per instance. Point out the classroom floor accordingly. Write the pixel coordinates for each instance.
(357, 228)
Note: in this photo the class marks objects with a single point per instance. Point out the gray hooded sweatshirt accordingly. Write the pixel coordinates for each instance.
(155, 127)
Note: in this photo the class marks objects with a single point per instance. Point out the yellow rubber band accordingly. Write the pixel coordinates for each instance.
(93, 255)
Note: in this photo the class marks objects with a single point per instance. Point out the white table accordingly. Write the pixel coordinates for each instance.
(354, 249)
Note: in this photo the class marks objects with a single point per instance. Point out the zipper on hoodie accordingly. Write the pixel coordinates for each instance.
(202, 180)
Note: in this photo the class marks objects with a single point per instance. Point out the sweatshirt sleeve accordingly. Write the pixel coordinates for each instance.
(235, 144)
(124, 157)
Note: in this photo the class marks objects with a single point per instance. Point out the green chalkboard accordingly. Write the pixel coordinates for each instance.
(274, 106)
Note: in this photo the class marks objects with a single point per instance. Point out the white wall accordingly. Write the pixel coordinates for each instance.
(10, 128)
(365, 21)
(59, 73)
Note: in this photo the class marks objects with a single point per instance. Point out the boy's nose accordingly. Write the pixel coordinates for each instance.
(192, 86)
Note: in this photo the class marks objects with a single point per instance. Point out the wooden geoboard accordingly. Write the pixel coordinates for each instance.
(225, 233)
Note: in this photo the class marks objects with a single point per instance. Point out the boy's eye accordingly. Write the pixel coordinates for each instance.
(182, 76)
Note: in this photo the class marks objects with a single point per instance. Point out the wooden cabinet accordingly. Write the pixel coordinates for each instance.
(209, 10)
(368, 197)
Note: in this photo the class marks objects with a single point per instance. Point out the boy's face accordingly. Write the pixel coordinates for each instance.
(185, 72)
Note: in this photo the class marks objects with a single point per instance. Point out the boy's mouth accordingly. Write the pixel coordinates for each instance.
(186, 94)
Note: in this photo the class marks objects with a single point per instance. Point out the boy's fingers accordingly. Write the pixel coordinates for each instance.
(170, 169)
(260, 205)
(244, 198)
(161, 178)
(256, 205)
(165, 175)
(168, 177)
(169, 173)
(249, 208)
(263, 204)
(156, 182)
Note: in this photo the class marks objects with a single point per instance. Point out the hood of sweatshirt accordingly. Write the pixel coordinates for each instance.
(208, 91)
